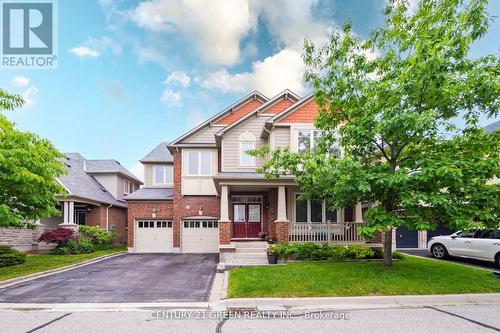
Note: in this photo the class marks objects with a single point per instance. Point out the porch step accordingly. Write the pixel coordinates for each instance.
(250, 255)
(252, 244)
(251, 250)
(245, 262)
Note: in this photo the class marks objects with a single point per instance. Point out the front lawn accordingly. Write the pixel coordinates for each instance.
(41, 262)
(409, 276)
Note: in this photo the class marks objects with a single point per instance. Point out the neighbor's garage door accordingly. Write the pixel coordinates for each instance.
(153, 236)
(441, 230)
(200, 236)
(406, 239)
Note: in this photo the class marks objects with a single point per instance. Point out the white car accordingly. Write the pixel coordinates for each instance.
(476, 244)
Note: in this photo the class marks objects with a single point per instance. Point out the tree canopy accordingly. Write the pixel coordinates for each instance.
(28, 168)
(392, 103)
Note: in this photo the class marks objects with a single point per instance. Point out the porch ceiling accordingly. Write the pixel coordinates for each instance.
(249, 181)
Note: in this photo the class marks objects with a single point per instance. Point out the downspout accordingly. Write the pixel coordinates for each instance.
(107, 216)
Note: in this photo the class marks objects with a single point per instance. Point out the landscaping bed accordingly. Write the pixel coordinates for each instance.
(408, 276)
(41, 262)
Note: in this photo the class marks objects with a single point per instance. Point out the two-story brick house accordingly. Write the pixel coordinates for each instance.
(211, 198)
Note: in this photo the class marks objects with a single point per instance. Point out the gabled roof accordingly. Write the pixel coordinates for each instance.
(492, 127)
(254, 94)
(82, 184)
(109, 166)
(160, 154)
(261, 109)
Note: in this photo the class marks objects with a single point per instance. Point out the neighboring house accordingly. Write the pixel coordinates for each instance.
(95, 191)
(94, 196)
(202, 191)
(411, 239)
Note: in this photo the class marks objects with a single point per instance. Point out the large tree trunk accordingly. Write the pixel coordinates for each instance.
(388, 248)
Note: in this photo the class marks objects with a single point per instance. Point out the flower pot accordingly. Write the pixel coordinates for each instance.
(272, 259)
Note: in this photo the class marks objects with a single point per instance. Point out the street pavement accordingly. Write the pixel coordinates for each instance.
(463, 318)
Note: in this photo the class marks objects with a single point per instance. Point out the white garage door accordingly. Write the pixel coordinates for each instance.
(153, 236)
(200, 236)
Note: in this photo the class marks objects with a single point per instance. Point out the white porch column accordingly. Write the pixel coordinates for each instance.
(71, 212)
(358, 213)
(340, 215)
(224, 204)
(66, 212)
(281, 205)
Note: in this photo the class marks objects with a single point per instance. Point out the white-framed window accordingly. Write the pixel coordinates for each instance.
(313, 211)
(128, 187)
(307, 139)
(163, 174)
(247, 160)
(199, 163)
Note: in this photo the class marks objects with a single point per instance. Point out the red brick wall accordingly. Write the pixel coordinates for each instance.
(304, 114)
(189, 205)
(118, 218)
(143, 210)
(225, 232)
(97, 217)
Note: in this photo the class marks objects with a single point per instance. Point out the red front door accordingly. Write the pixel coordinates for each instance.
(246, 220)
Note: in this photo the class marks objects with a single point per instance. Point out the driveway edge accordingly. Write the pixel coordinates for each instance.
(454, 262)
(25, 278)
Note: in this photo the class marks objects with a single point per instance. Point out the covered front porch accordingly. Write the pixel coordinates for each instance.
(254, 207)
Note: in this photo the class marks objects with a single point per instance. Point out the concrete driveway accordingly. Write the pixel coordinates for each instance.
(127, 278)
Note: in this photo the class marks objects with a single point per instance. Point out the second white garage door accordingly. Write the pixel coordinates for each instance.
(153, 236)
(200, 236)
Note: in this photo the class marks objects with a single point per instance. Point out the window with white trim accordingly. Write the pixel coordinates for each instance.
(199, 163)
(128, 187)
(163, 174)
(247, 160)
(313, 211)
(307, 139)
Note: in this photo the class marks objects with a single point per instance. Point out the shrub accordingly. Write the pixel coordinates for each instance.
(312, 251)
(58, 236)
(75, 246)
(10, 256)
(101, 239)
(397, 255)
(358, 252)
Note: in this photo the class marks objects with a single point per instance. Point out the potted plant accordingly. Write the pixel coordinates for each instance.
(272, 254)
(270, 240)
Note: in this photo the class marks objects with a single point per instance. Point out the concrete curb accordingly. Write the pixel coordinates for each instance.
(25, 278)
(106, 307)
(270, 304)
(361, 302)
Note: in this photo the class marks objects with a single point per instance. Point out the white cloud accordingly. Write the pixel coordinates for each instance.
(95, 47)
(215, 27)
(283, 70)
(28, 91)
(170, 97)
(84, 52)
(138, 170)
(194, 118)
(178, 77)
(20, 81)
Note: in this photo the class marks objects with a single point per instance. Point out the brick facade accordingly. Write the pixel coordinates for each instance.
(189, 205)
(138, 210)
(117, 221)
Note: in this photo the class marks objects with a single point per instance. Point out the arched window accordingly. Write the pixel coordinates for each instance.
(246, 142)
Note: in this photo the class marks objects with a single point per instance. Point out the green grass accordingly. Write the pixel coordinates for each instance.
(41, 262)
(409, 276)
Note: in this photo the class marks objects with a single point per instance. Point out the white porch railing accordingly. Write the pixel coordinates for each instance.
(334, 233)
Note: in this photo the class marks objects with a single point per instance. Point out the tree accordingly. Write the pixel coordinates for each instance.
(28, 168)
(390, 103)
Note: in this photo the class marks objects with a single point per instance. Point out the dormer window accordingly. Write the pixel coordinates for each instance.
(246, 143)
(128, 187)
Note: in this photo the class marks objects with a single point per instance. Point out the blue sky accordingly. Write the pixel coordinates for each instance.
(134, 74)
